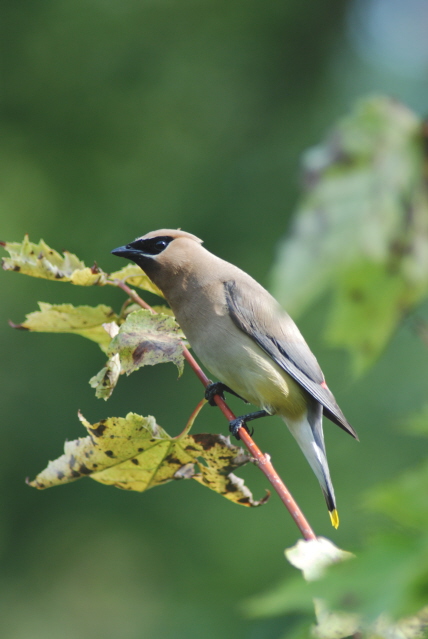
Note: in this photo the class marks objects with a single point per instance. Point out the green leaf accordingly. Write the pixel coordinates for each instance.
(405, 499)
(417, 424)
(135, 453)
(87, 321)
(388, 577)
(313, 558)
(366, 308)
(39, 260)
(361, 230)
(335, 625)
(135, 276)
(145, 339)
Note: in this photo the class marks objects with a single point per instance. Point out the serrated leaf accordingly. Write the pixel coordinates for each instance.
(86, 321)
(145, 339)
(361, 230)
(39, 260)
(135, 453)
(135, 276)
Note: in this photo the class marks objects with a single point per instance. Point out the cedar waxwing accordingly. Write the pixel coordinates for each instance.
(244, 337)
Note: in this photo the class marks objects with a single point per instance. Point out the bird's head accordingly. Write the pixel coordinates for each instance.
(162, 254)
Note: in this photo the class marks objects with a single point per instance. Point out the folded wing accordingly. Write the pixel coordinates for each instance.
(255, 312)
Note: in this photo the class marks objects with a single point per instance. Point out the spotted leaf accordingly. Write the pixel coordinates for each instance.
(135, 453)
(39, 260)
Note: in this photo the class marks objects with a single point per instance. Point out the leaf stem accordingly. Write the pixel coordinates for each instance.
(262, 460)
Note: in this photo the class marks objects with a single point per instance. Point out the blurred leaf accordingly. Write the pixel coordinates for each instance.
(135, 276)
(334, 625)
(145, 339)
(65, 318)
(314, 556)
(361, 230)
(39, 260)
(405, 499)
(301, 630)
(292, 595)
(366, 308)
(417, 424)
(135, 453)
(342, 625)
(388, 576)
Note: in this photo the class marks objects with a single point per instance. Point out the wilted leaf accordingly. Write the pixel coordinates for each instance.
(106, 379)
(314, 556)
(65, 318)
(135, 276)
(39, 260)
(134, 453)
(145, 339)
(361, 230)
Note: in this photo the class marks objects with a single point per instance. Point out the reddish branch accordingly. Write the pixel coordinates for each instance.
(262, 460)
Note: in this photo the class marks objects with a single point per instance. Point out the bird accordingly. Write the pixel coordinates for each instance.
(245, 339)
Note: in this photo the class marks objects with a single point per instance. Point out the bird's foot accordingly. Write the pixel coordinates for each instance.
(236, 424)
(217, 388)
(241, 422)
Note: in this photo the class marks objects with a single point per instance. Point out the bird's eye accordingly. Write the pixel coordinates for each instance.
(152, 245)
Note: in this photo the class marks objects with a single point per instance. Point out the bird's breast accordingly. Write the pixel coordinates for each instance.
(236, 360)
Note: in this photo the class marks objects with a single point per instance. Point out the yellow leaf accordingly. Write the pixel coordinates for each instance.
(65, 318)
(135, 276)
(135, 453)
(39, 260)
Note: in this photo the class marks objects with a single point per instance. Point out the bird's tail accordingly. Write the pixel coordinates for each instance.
(308, 433)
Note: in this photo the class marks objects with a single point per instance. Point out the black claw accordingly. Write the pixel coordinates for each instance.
(241, 422)
(235, 425)
(217, 388)
(238, 423)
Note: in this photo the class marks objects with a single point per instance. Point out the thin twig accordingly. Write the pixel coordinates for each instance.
(262, 460)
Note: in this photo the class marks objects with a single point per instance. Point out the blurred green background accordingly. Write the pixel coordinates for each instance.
(122, 117)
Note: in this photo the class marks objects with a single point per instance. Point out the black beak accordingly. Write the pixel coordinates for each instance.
(125, 251)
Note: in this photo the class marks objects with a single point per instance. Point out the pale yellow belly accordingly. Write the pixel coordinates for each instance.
(250, 372)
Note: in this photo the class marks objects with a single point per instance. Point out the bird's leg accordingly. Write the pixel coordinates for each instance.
(241, 421)
(217, 388)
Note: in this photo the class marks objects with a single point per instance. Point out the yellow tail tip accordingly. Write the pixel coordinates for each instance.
(334, 516)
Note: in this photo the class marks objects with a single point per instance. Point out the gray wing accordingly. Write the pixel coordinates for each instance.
(258, 315)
